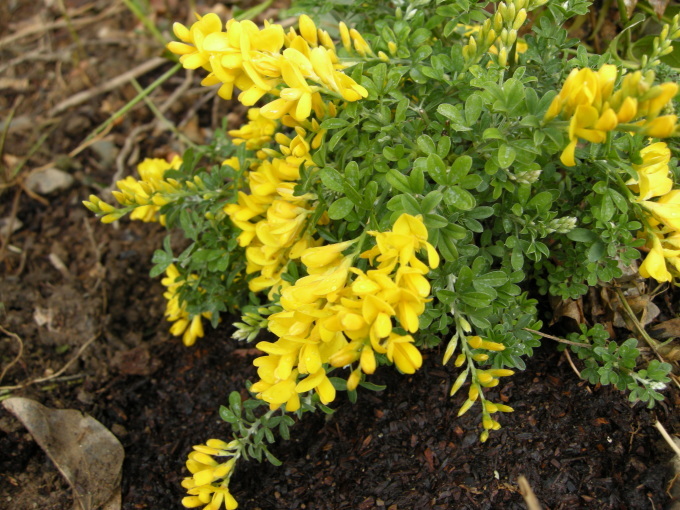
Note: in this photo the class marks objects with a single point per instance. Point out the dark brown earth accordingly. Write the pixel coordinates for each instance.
(67, 281)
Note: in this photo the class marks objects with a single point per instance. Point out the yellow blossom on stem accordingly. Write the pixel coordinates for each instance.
(653, 180)
(654, 265)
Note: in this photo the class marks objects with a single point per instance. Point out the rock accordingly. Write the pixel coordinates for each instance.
(107, 152)
(49, 180)
(6, 225)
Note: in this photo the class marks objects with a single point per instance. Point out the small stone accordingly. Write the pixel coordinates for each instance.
(107, 152)
(6, 225)
(49, 180)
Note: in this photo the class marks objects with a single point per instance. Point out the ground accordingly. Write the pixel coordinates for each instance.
(74, 289)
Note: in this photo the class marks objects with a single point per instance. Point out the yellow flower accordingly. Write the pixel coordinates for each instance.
(147, 192)
(322, 256)
(193, 55)
(409, 236)
(654, 265)
(256, 133)
(583, 87)
(213, 495)
(320, 383)
(587, 123)
(666, 209)
(653, 180)
(661, 127)
(273, 390)
(403, 353)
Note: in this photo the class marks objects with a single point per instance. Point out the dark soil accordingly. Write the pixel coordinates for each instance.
(65, 279)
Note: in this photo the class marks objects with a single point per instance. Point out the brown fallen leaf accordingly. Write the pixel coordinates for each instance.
(659, 6)
(568, 308)
(86, 453)
(666, 329)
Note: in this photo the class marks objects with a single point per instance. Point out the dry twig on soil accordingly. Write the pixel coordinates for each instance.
(88, 94)
(19, 354)
(667, 437)
(59, 372)
(528, 494)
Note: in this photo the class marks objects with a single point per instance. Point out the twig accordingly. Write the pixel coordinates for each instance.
(19, 354)
(650, 341)
(10, 223)
(162, 120)
(88, 94)
(122, 157)
(557, 339)
(528, 494)
(631, 315)
(56, 374)
(667, 437)
(127, 107)
(8, 123)
(39, 28)
(573, 367)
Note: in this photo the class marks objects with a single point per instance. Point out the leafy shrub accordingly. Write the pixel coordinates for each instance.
(403, 185)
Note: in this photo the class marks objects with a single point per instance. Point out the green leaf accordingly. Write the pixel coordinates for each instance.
(455, 115)
(596, 251)
(460, 168)
(353, 194)
(473, 108)
(371, 386)
(443, 146)
(284, 432)
(493, 279)
(431, 201)
(516, 258)
(398, 180)
(340, 208)
(505, 156)
(541, 201)
(235, 402)
(607, 208)
(417, 180)
(334, 123)
(426, 144)
(270, 457)
(459, 198)
(400, 111)
(332, 179)
(162, 259)
(582, 235)
(492, 134)
(227, 415)
(437, 169)
(476, 299)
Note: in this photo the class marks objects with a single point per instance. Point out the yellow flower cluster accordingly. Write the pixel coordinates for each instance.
(256, 133)
(274, 221)
(481, 378)
(190, 328)
(144, 196)
(663, 214)
(295, 68)
(326, 319)
(498, 34)
(594, 109)
(209, 484)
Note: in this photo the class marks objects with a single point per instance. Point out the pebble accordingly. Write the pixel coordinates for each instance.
(49, 180)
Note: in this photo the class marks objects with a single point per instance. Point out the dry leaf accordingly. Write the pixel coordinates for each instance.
(659, 6)
(643, 308)
(86, 453)
(667, 329)
(630, 7)
(568, 308)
